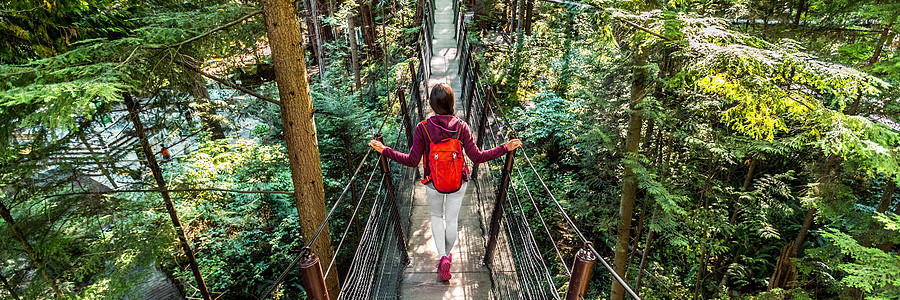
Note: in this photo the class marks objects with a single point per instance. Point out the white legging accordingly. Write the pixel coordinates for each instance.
(444, 217)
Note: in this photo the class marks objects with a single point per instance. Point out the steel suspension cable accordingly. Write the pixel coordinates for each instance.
(534, 250)
(530, 248)
(352, 218)
(543, 222)
(569, 219)
(503, 276)
(358, 258)
(362, 281)
(305, 249)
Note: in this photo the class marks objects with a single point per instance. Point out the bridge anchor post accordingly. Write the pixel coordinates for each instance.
(497, 214)
(581, 274)
(312, 277)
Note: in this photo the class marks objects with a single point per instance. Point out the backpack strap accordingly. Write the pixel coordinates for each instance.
(426, 131)
(458, 126)
(429, 135)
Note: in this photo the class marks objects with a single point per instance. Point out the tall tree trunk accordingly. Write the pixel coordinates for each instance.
(11, 289)
(164, 192)
(354, 55)
(886, 198)
(317, 36)
(325, 10)
(629, 190)
(734, 214)
(365, 12)
(283, 30)
(479, 13)
(637, 287)
(200, 93)
(529, 15)
(100, 163)
(513, 5)
(26, 245)
(700, 272)
(886, 246)
(801, 6)
(648, 139)
(637, 237)
(520, 21)
(886, 35)
(784, 268)
(419, 16)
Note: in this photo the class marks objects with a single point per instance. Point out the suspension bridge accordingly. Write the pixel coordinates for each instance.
(497, 255)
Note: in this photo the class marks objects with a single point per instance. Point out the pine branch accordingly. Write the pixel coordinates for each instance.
(644, 29)
(211, 31)
(228, 84)
(173, 190)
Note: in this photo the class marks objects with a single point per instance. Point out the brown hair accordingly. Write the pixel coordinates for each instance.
(441, 99)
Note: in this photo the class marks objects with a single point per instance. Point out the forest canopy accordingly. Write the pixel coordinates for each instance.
(744, 149)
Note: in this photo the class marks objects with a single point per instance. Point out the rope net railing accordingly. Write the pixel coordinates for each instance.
(380, 256)
(528, 275)
(379, 261)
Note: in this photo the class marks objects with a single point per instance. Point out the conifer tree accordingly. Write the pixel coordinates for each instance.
(283, 29)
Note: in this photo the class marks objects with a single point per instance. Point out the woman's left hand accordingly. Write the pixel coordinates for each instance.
(377, 145)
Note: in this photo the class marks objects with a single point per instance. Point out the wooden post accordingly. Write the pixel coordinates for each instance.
(581, 275)
(392, 199)
(497, 214)
(161, 186)
(312, 276)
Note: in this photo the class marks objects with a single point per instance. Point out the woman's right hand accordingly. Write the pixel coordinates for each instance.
(513, 144)
(377, 145)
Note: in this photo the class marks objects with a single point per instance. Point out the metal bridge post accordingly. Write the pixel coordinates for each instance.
(484, 114)
(406, 121)
(473, 82)
(497, 214)
(464, 84)
(581, 274)
(481, 124)
(415, 90)
(312, 277)
(392, 199)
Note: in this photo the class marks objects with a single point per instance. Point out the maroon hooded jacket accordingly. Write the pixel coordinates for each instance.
(441, 127)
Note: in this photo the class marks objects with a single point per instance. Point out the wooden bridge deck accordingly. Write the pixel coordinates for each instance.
(471, 280)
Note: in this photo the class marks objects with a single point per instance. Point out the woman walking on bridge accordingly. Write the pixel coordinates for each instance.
(439, 142)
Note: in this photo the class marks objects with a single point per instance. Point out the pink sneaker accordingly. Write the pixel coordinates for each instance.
(444, 269)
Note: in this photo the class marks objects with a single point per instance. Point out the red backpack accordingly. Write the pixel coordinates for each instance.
(447, 163)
